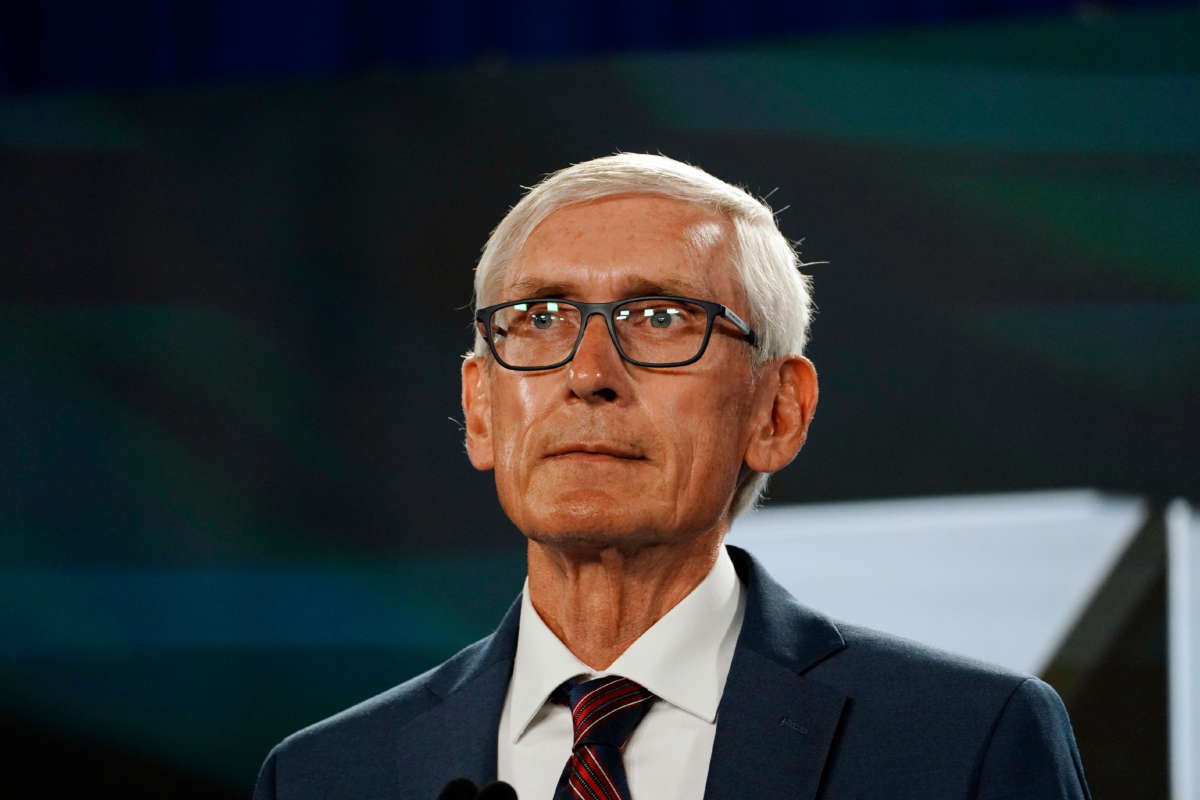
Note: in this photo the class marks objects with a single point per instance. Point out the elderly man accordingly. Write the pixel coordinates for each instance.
(637, 373)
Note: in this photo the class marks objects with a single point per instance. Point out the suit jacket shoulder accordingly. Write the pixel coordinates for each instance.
(881, 668)
(941, 725)
(405, 742)
(866, 714)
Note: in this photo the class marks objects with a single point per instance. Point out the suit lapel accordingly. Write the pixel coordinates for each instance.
(774, 731)
(774, 726)
(456, 737)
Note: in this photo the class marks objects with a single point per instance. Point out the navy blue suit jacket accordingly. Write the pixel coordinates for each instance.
(810, 710)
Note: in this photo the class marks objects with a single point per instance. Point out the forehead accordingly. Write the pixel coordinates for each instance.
(626, 245)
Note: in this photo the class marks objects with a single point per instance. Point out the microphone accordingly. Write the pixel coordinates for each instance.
(463, 789)
(458, 789)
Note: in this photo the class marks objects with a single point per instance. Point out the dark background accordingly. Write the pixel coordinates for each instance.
(237, 243)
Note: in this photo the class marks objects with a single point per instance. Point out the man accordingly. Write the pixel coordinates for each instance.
(637, 374)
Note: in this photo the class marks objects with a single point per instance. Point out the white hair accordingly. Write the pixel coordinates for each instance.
(765, 263)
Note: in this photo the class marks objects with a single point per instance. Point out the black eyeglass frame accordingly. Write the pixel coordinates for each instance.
(483, 317)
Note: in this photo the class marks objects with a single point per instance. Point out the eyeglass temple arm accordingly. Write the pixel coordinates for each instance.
(751, 336)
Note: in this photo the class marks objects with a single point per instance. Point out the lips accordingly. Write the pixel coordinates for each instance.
(596, 449)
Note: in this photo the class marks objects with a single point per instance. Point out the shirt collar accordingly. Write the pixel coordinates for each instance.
(683, 658)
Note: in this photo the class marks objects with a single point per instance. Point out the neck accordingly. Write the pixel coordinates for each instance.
(599, 600)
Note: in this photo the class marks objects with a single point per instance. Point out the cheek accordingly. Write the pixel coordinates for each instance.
(707, 431)
(515, 410)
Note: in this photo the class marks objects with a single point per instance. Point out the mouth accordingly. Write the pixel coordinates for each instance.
(596, 451)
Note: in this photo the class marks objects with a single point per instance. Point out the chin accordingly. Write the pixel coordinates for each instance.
(589, 518)
(588, 508)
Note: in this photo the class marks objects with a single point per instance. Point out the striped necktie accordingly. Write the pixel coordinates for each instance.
(604, 712)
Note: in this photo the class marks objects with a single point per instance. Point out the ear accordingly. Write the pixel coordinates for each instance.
(477, 413)
(786, 406)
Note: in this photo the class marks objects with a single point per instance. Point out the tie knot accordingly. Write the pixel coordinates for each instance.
(606, 710)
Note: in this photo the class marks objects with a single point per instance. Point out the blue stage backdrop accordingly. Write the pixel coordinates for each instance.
(236, 287)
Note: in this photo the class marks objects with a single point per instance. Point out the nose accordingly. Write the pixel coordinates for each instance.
(597, 372)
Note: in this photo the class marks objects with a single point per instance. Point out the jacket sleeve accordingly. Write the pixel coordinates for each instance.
(1031, 753)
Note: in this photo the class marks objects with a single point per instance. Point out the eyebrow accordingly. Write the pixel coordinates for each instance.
(637, 287)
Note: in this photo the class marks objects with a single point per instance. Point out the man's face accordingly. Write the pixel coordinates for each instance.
(601, 452)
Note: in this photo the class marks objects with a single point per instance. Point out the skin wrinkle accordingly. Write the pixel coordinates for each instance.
(615, 543)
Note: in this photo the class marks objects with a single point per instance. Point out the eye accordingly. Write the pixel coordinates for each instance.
(646, 315)
(662, 317)
(538, 315)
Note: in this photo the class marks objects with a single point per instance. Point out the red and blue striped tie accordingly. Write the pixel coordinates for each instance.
(604, 712)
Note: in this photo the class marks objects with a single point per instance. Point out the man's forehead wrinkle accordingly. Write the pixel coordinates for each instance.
(631, 285)
(533, 286)
(669, 285)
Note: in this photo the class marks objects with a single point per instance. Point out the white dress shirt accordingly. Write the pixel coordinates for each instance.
(683, 659)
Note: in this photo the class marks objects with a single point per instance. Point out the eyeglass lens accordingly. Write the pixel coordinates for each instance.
(654, 331)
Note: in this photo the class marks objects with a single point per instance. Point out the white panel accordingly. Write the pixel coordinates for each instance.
(1183, 630)
(996, 577)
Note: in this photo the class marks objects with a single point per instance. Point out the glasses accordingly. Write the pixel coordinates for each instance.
(647, 331)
